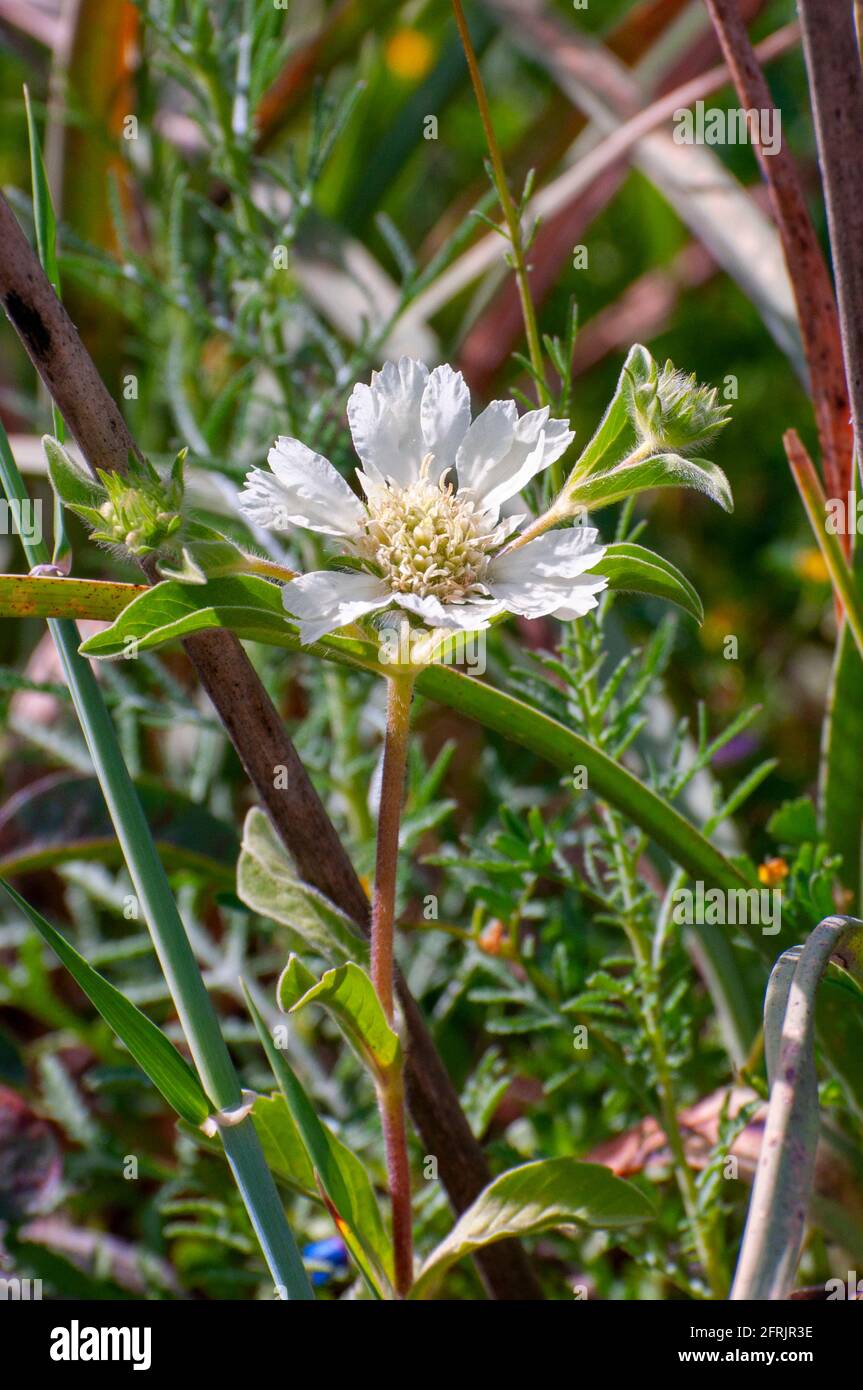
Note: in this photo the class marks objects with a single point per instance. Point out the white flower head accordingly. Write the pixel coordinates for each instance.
(429, 535)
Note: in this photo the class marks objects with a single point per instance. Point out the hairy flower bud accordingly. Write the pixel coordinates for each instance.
(671, 412)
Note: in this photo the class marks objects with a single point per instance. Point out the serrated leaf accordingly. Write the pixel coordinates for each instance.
(268, 883)
(534, 1198)
(349, 995)
(154, 1053)
(635, 569)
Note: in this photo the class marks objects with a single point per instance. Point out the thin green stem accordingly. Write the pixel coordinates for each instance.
(626, 861)
(555, 514)
(703, 1228)
(191, 1000)
(391, 1087)
(508, 207)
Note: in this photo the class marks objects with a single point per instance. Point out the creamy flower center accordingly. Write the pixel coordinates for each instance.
(426, 538)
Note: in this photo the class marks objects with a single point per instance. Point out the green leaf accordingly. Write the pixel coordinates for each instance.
(155, 1055)
(604, 449)
(203, 560)
(295, 980)
(348, 1192)
(171, 611)
(634, 569)
(660, 470)
(43, 207)
(282, 1144)
(267, 882)
(533, 1198)
(71, 481)
(546, 737)
(47, 596)
(349, 995)
(794, 822)
(168, 612)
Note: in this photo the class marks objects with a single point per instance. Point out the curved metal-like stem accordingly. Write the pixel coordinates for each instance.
(783, 1181)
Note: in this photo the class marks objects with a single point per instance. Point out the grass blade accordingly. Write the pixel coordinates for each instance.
(153, 1052)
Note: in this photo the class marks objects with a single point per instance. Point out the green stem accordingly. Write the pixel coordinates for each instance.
(626, 864)
(703, 1229)
(510, 212)
(191, 1000)
(556, 513)
(391, 1087)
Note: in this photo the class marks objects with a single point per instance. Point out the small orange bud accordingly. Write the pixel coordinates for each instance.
(492, 938)
(772, 872)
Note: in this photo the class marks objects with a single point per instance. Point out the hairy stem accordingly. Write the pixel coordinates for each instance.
(510, 212)
(391, 1087)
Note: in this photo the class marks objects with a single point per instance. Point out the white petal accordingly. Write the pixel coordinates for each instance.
(445, 416)
(303, 490)
(485, 446)
(548, 574)
(385, 421)
(538, 442)
(579, 602)
(329, 599)
(459, 617)
(262, 499)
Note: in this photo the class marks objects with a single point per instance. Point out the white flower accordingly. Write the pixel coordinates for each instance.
(429, 535)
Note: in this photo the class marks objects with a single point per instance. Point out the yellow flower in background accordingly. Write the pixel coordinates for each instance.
(811, 567)
(409, 54)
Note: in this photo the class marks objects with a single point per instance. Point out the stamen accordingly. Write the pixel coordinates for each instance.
(425, 538)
